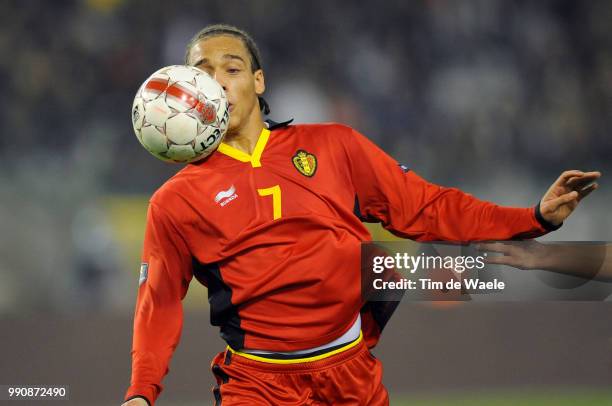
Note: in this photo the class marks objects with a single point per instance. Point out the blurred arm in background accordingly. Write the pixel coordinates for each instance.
(592, 261)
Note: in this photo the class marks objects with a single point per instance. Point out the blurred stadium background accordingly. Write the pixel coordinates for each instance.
(494, 97)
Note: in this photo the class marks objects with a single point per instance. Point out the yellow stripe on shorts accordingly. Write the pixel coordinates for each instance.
(298, 360)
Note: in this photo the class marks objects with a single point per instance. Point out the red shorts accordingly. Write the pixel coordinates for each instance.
(350, 377)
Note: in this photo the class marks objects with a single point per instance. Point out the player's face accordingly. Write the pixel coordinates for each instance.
(226, 59)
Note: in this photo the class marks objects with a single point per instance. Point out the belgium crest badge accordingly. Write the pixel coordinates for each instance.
(305, 162)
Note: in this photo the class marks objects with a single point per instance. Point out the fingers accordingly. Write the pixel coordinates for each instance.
(575, 177)
(517, 254)
(553, 204)
(567, 175)
(497, 247)
(576, 185)
(587, 191)
(579, 182)
(596, 174)
(514, 262)
(511, 254)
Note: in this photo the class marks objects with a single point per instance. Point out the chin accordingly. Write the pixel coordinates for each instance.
(234, 120)
(232, 127)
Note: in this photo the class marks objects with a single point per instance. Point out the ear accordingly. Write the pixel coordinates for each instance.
(260, 83)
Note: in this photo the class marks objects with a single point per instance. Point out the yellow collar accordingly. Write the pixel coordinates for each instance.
(255, 158)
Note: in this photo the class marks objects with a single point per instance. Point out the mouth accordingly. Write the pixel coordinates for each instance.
(230, 107)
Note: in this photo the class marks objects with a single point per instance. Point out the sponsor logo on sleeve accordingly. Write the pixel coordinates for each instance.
(404, 168)
(144, 273)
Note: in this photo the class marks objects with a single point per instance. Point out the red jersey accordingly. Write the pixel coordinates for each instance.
(276, 237)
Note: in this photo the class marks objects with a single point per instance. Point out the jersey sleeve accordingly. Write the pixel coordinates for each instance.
(411, 207)
(166, 271)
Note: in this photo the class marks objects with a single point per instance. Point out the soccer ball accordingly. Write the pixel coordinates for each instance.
(180, 114)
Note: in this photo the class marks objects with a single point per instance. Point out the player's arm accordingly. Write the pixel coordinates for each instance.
(159, 313)
(411, 207)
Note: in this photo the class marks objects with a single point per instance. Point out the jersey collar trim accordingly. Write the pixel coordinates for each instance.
(273, 125)
(255, 158)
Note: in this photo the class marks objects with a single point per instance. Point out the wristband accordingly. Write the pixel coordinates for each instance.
(547, 225)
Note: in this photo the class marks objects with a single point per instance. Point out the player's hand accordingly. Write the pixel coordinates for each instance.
(136, 402)
(528, 254)
(564, 195)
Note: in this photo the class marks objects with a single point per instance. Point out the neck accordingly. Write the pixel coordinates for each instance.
(245, 138)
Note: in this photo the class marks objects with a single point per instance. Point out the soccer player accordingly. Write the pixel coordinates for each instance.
(271, 223)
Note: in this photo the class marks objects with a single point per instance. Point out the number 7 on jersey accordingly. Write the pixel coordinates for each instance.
(275, 191)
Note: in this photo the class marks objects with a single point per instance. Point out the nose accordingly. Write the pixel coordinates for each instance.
(220, 79)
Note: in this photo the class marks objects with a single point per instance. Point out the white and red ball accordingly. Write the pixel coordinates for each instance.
(180, 114)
